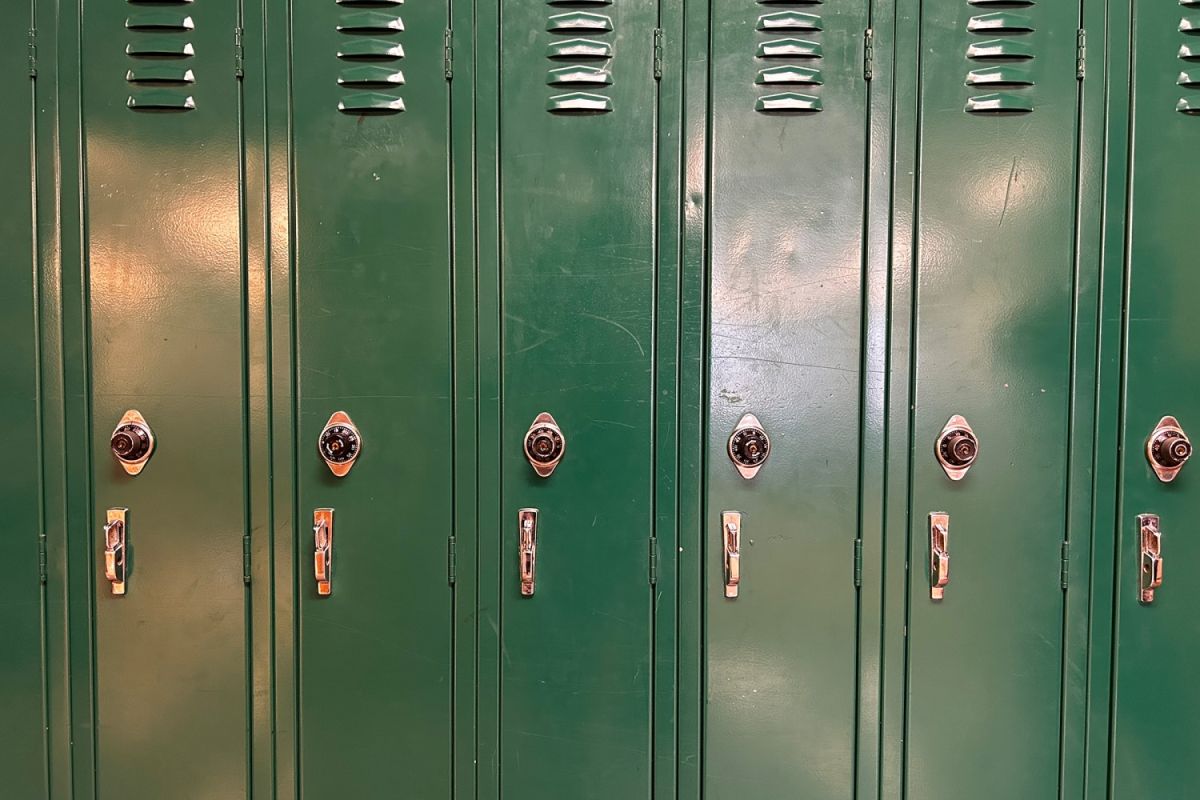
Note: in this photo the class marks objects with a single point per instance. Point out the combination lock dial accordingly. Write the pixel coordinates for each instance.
(339, 443)
(957, 448)
(544, 444)
(1168, 449)
(749, 446)
(132, 442)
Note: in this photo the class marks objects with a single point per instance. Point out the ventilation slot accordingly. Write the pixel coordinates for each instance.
(1007, 51)
(789, 49)
(1189, 51)
(595, 75)
(160, 78)
(371, 84)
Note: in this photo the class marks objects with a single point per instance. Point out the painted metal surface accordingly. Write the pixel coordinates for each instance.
(993, 309)
(371, 267)
(1156, 697)
(577, 280)
(163, 260)
(22, 739)
(788, 171)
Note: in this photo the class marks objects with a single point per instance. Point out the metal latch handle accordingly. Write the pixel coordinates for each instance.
(527, 548)
(731, 540)
(114, 549)
(1152, 562)
(939, 554)
(323, 550)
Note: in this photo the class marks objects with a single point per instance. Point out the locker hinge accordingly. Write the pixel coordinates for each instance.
(452, 560)
(658, 53)
(448, 53)
(246, 558)
(42, 557)
(857, 563)
(32, 47)
(1066, 563)
(653, 561)
(239, 52)
(868, 54)
(1080, 53)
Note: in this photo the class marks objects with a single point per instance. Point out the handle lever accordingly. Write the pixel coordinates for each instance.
(527, 548)
(939, 554)
(1152, 562)
(323, 550)
(731, 538)
(114, 549)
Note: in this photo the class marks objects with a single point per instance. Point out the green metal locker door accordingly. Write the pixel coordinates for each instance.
(577, 259)
(163, 259)
(994, 270)
(23, 741)
(788, 132)
(371, 270)
(1155, 738)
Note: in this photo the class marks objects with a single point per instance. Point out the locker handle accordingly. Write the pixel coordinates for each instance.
(731, 537)
(323, 550)
(939, 554)
(527, 548)
(114, 549)
(1152, 562)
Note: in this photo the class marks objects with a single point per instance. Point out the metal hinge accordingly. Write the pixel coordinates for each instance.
(658, 53)
(868, 54)
(452, 560)
(448, 53)
(239, 52)
(42, 557)
(653, 560)
(246, 558)
(857, 563)
(32, 47)
(1066, 563)
(1080, 53)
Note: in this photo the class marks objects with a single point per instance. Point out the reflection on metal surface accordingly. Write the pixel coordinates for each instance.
(748, 446)
(957, 447)
(114, 549)
(1168, 449)
(339, 443)
(527, 548)
(939, 554)
(1150, 575)
(132, 442)
(323, 550)
(731, 545)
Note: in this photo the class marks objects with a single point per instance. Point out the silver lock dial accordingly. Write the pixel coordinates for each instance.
(749, 446)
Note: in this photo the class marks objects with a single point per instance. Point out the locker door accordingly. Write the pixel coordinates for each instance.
(164, 260)
(22, 742)
(1155, 737)
(789, 121)
(994, 265)
(577, 163)
(372, 272)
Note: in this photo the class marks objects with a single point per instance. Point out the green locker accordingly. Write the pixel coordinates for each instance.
(994, 293)
(371, 270)
(787, 189)
(23, 743)
(576, 97)
(165, 365)
(1155, 696)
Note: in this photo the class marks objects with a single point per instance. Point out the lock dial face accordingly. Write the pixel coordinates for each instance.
(544, 444)
(1168, 449)
(749, 446)
(132, 442)
(339, 443)
(957, 447)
